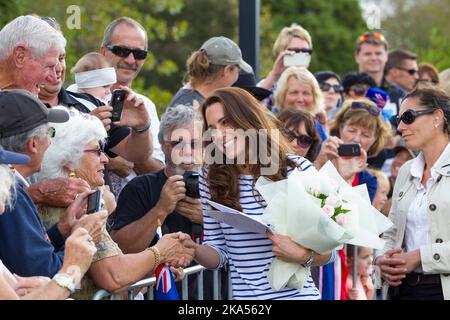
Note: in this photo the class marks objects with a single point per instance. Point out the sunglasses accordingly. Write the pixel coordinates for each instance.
(298, 50)
(410, 71)
(359, 89)
(124, 52)
(370, 109)
(303, 140)
(371, 36)
(324, 86)
(409, 116)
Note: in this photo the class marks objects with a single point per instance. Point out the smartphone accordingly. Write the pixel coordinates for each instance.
(117, 100)
(349, 150)
(95, 202)
(301, 59)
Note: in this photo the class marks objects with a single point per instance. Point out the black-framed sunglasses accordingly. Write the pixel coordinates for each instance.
(303, 140)
(298, 50)
(411, 71)
(362, 105)
(324, 86)
(124, 52)
(359, 89)
(409, 116)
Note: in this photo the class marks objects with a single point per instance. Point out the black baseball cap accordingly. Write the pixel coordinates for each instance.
(247, 81)
(20, 112)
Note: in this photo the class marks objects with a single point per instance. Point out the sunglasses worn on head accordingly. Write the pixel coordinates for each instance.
(298, 50)
(371, 36)
(303, 140)
(359, 89)
(409, 116)
(324, 86)
(124, 52)
(370, 109)
(411, 71)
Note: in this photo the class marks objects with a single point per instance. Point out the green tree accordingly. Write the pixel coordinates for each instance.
(421, 26)
(333, 25)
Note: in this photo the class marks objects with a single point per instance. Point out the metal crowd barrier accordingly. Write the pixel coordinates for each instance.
(150, 283)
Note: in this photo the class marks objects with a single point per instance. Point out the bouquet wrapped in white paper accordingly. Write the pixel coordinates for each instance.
(319, 211)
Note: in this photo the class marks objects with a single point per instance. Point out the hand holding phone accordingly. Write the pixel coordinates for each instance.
(117, 100)
(349, 150)
(301, 59)
(95, 202)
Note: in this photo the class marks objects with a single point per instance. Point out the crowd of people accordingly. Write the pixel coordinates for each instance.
(60, 147)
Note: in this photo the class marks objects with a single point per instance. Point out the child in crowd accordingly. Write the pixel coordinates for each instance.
(380, 202)
(93, 75)
(364, 288)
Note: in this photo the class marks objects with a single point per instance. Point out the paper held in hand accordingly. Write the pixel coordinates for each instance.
(237, 219)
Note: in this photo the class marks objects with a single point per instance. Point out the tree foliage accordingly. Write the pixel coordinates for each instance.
(333, 25)
(421, 26)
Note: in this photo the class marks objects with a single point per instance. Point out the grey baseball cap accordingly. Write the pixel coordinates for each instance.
(20, 112)
(223, 51)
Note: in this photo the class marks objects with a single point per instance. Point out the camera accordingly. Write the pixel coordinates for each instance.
(349, 150)
(95, 202)
(117, 100)
(190, 178)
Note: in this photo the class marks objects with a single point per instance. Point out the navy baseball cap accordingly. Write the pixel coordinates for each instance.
(8, 157)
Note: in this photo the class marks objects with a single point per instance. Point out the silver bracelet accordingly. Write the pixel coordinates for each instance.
(142, 130)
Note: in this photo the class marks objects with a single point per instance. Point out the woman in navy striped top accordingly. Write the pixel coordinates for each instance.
(235, 120)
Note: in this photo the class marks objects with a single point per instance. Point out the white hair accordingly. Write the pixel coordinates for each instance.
(6, 185)
(32, 32)
(70, 140)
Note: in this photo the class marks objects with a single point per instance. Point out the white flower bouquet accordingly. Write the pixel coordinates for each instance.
(319, 211)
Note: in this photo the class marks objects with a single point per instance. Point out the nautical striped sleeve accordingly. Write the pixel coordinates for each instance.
(212, 231)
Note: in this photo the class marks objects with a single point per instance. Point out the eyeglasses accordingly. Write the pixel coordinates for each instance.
(183, 143)
(99, 150)
(371, 36)
(51, 132)
(409, 116)
(124, 52)
(411, 71)
(370, 109)
(359, 89)
(324, 86)
(298, 50)
(303, 140)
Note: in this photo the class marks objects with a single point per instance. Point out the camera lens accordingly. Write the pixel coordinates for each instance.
(190, 179)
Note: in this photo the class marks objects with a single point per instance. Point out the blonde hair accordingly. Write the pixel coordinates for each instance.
(91, 61)
(286, 35)
(382, 178)
(362, 117)
(305, 77)
(444, 81)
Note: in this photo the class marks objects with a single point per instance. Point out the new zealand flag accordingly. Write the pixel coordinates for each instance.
(165, 284)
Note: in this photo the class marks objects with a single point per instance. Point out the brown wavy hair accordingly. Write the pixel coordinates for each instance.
(243, 111)
(361, 117)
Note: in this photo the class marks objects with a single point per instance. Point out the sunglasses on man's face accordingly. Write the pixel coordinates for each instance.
(411, 71)
(303, 140)
(324, 86)
(298, 50)
(360, 105)
(409, 116)
(124, 52)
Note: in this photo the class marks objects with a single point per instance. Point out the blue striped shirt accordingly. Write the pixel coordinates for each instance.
(249, 254)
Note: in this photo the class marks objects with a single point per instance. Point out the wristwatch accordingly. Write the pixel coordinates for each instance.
(144, 129)
(65, 281)
(309, 262)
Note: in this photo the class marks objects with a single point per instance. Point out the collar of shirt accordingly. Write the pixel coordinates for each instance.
(419, 164)
(20, 179)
